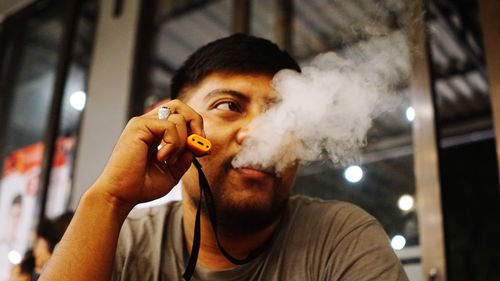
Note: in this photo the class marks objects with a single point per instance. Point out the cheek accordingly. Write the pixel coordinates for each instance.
(221, 137)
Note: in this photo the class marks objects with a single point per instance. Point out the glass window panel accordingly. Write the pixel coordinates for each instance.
(24, 127)
(185, 29)
(33, 46)
(73, 106)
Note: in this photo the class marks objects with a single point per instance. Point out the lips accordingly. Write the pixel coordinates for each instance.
(256, 173)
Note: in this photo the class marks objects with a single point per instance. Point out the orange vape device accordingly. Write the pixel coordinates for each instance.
(198, 145)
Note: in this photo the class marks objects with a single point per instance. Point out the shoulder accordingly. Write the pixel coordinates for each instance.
(350, 242)
(339, 216)
(331, 225)
(327, 224)
(310, 204)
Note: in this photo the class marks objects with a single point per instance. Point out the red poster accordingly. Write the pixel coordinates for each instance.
(19, 197)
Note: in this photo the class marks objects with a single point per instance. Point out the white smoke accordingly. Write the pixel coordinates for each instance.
(327, 110)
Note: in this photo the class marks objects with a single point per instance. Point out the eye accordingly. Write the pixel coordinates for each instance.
(228, 106)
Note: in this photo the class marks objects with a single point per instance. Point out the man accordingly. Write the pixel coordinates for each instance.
(220, 89)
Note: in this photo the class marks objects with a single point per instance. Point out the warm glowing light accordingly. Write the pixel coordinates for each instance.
(406, 202)
(410, 114)
(398, 242)
(353, 173)
(14, 257)
(77, 100)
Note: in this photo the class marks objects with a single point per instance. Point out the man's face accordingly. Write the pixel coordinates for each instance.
(246, 198)
(13, 225)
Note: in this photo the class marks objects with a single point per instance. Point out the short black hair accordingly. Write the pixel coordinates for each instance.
(45, 230)
(18, 200)
(238, 53)
(28, 262)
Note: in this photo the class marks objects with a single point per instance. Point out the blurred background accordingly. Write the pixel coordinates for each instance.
(73, 72)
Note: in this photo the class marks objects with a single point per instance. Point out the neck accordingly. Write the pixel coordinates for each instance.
(238, 245)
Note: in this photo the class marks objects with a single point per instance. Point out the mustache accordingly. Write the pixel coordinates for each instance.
(228, 164)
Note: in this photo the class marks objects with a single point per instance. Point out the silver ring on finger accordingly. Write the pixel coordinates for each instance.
(164, 112)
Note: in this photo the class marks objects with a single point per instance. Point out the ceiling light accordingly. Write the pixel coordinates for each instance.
(410, 114)
(77, 100)
(405, 202)
(14, 257)
(353, 173)
(398, 242)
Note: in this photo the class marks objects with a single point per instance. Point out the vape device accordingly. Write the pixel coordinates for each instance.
(198, 145)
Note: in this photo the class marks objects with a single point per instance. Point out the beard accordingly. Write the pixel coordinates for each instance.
(237, 216)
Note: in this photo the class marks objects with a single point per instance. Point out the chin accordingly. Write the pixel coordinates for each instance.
(248, 207)
(245, 201)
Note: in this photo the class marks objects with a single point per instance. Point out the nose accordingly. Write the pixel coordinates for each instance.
(249, 126)
(244, 132)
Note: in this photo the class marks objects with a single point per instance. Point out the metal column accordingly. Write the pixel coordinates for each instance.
(241, 16)
(284, 16)
(426, 158)
(489, 11)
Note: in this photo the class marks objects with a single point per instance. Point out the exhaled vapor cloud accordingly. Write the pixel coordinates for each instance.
(326, 111)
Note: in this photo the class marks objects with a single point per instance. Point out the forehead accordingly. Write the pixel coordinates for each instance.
(254, 87)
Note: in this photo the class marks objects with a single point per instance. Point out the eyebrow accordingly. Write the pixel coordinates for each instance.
(223, 91)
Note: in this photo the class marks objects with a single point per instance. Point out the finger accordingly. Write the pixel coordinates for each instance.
(155, 109)
(193, 118)
(172, 144)
(177, 169)
(171, 135)
(182, 164)
(153, 131)
(182, 129)
(181, 125)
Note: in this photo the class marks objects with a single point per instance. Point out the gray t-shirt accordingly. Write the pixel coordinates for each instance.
(316, 240)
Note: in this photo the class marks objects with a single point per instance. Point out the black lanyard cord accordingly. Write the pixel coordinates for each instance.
(206, 193)
(195, 249)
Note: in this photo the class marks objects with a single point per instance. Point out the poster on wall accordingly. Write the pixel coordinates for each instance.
(19, 196)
